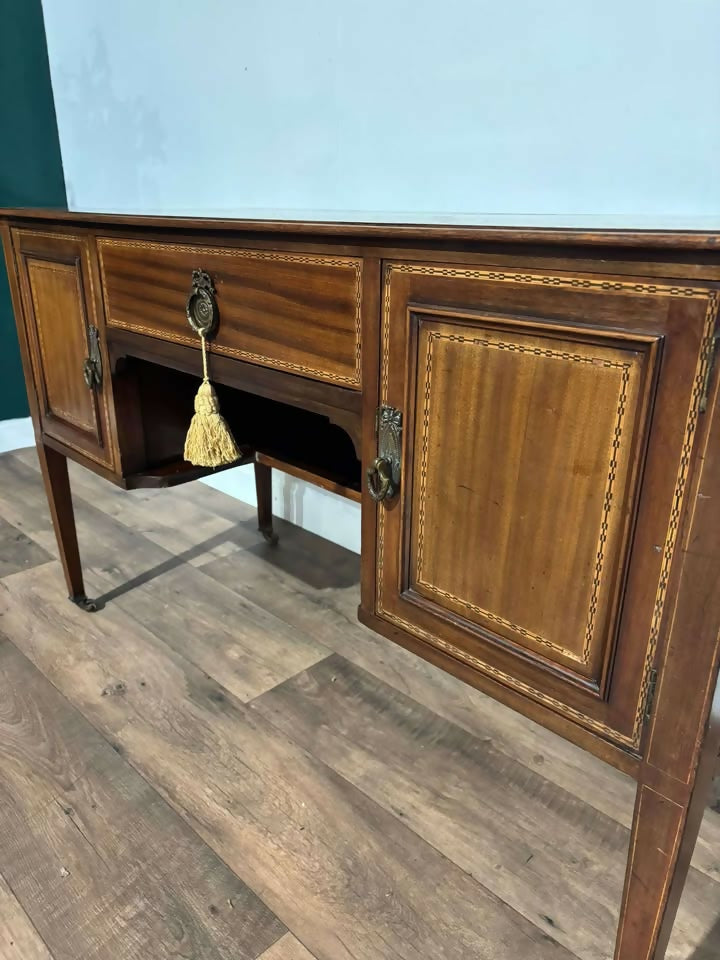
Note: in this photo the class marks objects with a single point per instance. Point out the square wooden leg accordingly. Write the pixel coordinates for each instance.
(263, 488)
(665, 829)
(57, 489)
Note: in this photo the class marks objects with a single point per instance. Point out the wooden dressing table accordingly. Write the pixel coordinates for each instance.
(530, 417)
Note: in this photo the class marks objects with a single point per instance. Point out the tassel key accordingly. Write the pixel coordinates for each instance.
(209, 442)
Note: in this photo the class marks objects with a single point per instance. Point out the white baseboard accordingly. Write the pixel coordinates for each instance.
(15, 434)
(304, 504)
(310, 507)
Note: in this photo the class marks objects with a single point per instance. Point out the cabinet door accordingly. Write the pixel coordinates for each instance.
(63, 340)
(548, 425)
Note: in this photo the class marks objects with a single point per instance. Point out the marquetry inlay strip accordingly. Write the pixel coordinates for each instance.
(598, 363)
(347, 263)
(599, 286)
(679, 496)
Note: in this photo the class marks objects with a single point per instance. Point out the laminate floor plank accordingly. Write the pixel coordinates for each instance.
(287, 949)
(306, 592)
(537, 847)
(344, 875)
(330, 614)
(23, 503)
(311, 585)
(17, 550)
(233, 639)
(19, 940)
(103, 867)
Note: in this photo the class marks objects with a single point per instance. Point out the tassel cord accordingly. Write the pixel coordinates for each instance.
(209, 442)
(204, 358)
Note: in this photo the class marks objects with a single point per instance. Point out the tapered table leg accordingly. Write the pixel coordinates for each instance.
(682, 738)
(57, 488)
(664, 833)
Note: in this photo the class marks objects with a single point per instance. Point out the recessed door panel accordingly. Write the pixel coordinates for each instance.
(61, 329)
(522, 489)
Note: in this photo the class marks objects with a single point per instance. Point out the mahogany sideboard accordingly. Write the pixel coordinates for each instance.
(530, 418)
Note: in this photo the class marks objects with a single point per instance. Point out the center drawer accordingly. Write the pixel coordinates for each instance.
(284, 309)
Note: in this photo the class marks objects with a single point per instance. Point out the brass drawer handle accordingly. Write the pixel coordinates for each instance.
(383, 477)
(201, 308)
(92, 364)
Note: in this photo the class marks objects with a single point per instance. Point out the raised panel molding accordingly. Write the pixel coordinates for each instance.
(57, 293)
(540, 574)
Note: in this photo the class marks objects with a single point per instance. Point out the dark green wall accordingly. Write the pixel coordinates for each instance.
(30, 165)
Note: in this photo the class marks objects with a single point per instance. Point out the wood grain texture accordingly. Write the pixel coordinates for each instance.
(683, 741)
(499, 821)
(17, 550)
(560, 761)
(289, 310)
(56, 481)
(61, 329)
(329, 612)
(58, 296)
(101, 864)
(536, 450)
(503, 633)
(624, 237)
(288, 948)
(313, 586)
(537, 405)
(239, 644)
(19, 940)
(344, 875)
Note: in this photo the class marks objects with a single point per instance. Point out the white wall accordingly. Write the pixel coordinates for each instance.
(407, 107)
(16, 434)
(538, 106)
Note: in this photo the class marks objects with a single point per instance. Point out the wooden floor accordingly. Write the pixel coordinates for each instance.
(223, 764)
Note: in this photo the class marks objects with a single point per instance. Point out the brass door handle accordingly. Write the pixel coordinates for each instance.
(89, 373)
(92, 364)
(383, 477)
(379, 478)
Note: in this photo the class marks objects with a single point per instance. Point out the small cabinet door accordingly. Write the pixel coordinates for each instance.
(64, 343)
(548, 422)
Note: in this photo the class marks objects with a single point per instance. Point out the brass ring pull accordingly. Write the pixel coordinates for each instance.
(88, 370)
(379, 477)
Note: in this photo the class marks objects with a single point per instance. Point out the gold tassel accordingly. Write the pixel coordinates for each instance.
(209, 442)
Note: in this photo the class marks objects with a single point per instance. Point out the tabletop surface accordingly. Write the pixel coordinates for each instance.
(683, 232)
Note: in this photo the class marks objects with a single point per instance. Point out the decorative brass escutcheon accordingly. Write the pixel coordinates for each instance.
(201, 308)
(383, 477)
(92, 364)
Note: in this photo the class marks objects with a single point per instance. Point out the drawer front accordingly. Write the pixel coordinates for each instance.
(548, 425)
(298, 312)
